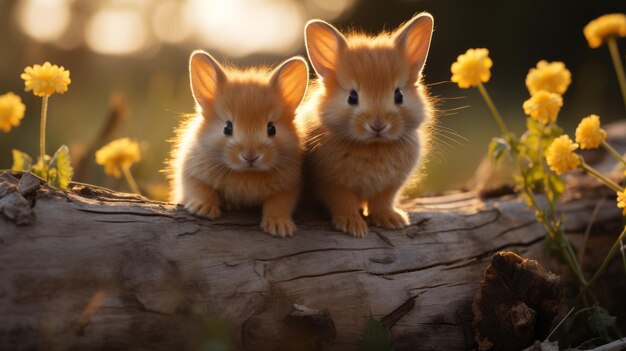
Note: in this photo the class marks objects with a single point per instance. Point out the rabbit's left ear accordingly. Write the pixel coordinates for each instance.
(413, 38)
(207, 76)
(324, 44)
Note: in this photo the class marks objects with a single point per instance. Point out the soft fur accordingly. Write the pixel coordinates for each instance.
(208, 168)
(351, 167)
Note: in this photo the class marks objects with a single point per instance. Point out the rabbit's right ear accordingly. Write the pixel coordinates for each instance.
(206, 76)
(291, 79)
(324, 43)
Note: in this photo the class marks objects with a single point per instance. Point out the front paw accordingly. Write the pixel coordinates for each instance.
(394, 219)
(354, 226)
(203, 209)
(281, 227)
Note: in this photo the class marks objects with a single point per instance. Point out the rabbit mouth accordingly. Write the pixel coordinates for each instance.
(379, 133)
(378, 130)
(383, 137)
(376, 138)
(250, 167)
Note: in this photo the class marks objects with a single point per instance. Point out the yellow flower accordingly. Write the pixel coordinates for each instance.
(46, 80)
(560, 155)
(553, 77)
(589, 134)
(472, 68)
(11, 111)
(603, 27)
(543, 106)
(621, 201)
(118, 155)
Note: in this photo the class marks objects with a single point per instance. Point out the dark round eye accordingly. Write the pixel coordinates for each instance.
(271, 130)
(397, 96)
(353, 99)
(228, 128)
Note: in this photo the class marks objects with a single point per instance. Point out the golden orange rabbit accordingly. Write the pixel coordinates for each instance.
(364, 122)
(241, 149)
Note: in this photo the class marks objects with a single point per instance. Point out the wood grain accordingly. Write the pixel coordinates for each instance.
(106, 270)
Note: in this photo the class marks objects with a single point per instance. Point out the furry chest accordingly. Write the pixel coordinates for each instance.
(247, 190)
(370, 169)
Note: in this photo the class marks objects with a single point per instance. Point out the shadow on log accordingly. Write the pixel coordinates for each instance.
(106, 270)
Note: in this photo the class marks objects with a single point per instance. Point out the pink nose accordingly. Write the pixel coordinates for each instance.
(250, 157)
(378, 128)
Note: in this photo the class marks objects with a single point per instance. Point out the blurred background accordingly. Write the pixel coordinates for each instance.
(128, 63)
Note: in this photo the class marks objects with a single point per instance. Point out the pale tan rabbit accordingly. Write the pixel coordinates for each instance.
(363, 123)
(241, 148)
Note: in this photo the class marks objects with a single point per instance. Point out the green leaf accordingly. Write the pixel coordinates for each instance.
(600, 320)
(38, 168)
(376, 336)
(21, 161)
(532, 145)
(553, 131)
(556, 183)
(533, 126)
(496, 149)
(535, 173)
(60, 170)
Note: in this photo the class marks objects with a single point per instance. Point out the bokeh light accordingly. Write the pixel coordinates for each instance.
(243, 27)
(329, 9)
(170, 22)
(236, 28)
(43, 20)
(116, 32)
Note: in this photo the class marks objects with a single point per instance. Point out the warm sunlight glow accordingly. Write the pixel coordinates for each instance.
(116, 32)
(169, 22)
(235, 28)
(240, 27)
(329, 9)
(43, 20)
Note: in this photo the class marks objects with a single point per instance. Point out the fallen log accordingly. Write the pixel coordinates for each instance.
(105, 270)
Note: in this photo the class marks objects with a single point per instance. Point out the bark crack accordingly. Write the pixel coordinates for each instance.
(385, 238)
(526, 224)
(130, 213)
(319, 275)
(474, 227)
(451, 262)
(392, 318)
(329, 249)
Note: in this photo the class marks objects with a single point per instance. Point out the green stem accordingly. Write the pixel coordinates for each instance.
(130, 180)
(605, 263)
(494, 110)
(619, 68)
(564, 245)
(613, 152)
(569, 255)
(566, 249)
(622, 249)
(42, 137)
(611, 184)
(544, 172)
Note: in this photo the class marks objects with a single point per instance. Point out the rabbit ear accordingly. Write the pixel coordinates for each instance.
(206, 76)
(324, 43)
(291, 79)
(413, 38)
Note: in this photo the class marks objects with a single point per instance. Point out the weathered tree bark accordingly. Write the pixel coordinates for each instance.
(105, 270)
